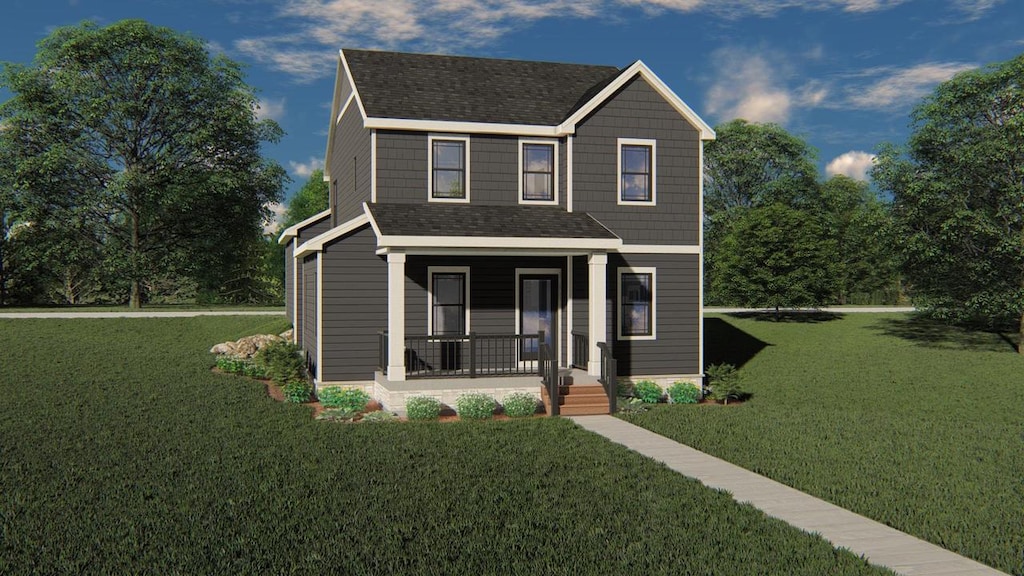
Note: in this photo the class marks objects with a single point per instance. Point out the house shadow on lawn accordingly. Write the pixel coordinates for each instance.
(792, 316)
(727, 344)
(932, 333)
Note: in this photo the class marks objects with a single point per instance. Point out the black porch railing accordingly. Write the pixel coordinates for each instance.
(469, 355)
(580, 350)
(609, 372)
(548, 370)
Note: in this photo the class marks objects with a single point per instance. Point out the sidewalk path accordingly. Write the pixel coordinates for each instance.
(142, 314)
(836, 309)
(880, 544)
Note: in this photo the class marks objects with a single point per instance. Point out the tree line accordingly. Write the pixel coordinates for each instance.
(132, 171)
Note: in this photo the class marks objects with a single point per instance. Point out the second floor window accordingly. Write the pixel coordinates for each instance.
(538, 172)
(448, 169)
(636, 171)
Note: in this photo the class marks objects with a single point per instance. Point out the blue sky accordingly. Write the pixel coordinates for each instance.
(843, 74)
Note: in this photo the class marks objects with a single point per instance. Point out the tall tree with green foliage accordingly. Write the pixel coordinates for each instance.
(310, 200)
(958, 197)
(775, 256)
(137, 132)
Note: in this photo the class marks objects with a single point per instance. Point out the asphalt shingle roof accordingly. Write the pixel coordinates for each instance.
(485, 221)
(458, 88)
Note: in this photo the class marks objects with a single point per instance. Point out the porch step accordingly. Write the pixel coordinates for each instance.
(578, 400)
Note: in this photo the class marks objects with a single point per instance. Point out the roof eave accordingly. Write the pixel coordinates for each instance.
(293, 230)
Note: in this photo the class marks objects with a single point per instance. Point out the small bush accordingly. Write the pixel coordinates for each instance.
(683, 393)
(350, 399)
(337, 415)
(647, 391)
(476, 406)
(422, 408)
(725, 383)
(283, 363)
(379, 416)
(633, 406)
(297, 391)
(520, 405)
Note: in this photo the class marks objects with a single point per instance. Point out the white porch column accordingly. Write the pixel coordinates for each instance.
(396, 316)
(597, 324)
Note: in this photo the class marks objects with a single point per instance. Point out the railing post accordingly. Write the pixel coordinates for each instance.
(540, 363)
(472, 354)
(613, 384)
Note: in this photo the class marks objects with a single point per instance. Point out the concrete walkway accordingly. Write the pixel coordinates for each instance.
(142, 314)
(834, 309)
(880, 544)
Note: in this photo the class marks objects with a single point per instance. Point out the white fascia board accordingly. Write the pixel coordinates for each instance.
(638, 67)
(504, 251)
(293, 230)
(461, 127)
(316, 244)
(658, 249)
(507, 242)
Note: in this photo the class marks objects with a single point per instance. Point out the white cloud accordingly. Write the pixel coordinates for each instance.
(895, 87)
(305, 169)
(272, 109)
(854, 164)
(764, 8)
(747, 88)
(277, 211)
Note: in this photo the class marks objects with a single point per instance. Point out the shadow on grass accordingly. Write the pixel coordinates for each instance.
(933, 333)
(727, 344)
(794, 316)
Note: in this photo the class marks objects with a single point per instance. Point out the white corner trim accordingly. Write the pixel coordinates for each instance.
(461, 127)
(293, 230)
(344, 107)
(373, 166)
(319, 316)
(568, 172)
(638, 67)
(653, 145)
(431, 270)
(654, 301)
(430, 166)
(700, 261)
(659, 249)
(316, 244)
(568, 310)
(554, 167)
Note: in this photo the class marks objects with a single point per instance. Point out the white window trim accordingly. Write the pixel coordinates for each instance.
(430, 166)
(431, 270)
(554, 187)
(654, 301)
(558, 304)
(654, 170)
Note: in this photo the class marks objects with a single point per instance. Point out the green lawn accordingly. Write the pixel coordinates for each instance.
(907, 422)
(122, 453)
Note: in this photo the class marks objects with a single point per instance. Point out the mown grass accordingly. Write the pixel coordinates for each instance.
(122, 453)
(908, 422)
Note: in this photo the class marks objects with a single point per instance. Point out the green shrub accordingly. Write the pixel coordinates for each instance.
(337, 415)
(647, 391)
(475, 405)
(683, 393)
(379, 416)
(520, 404)
(283, 363)
(725, 383)
(422, 408)
(350, 399)
(632, 406)
(297, 391)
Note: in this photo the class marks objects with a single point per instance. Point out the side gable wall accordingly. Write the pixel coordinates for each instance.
(293, 279)
(638, 111)
(349, 167)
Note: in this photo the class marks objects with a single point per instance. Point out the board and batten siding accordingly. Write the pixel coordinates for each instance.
(350, 167)
(637, 111)
(677, 322)
(309, 311)
(355, 306)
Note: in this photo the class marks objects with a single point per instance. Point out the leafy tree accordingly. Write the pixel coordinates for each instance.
(958, 197)
(775, 256)
(137, 133)
(310, 200)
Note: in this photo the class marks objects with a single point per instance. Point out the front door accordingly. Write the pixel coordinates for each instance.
(538, 310)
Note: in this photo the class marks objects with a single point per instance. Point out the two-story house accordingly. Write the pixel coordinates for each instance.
(484, 212)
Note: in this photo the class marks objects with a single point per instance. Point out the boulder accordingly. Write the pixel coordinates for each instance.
(286, 335)
(246, 347)
(223, 348)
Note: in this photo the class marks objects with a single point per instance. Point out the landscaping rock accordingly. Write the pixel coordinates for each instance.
(245, 347)
(286, 335)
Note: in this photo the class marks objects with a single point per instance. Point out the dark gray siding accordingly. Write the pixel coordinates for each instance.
(309, 342)
(350, 166)
(677, 322)
(580, 295)
(289, 280)
(355, 306)
(344, 90)
(493, 165)
(637, 111)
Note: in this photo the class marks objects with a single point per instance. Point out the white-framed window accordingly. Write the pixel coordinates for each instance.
(538, 171)
(637, 171)
(447, 168)
(637, 303)
(447, 300)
